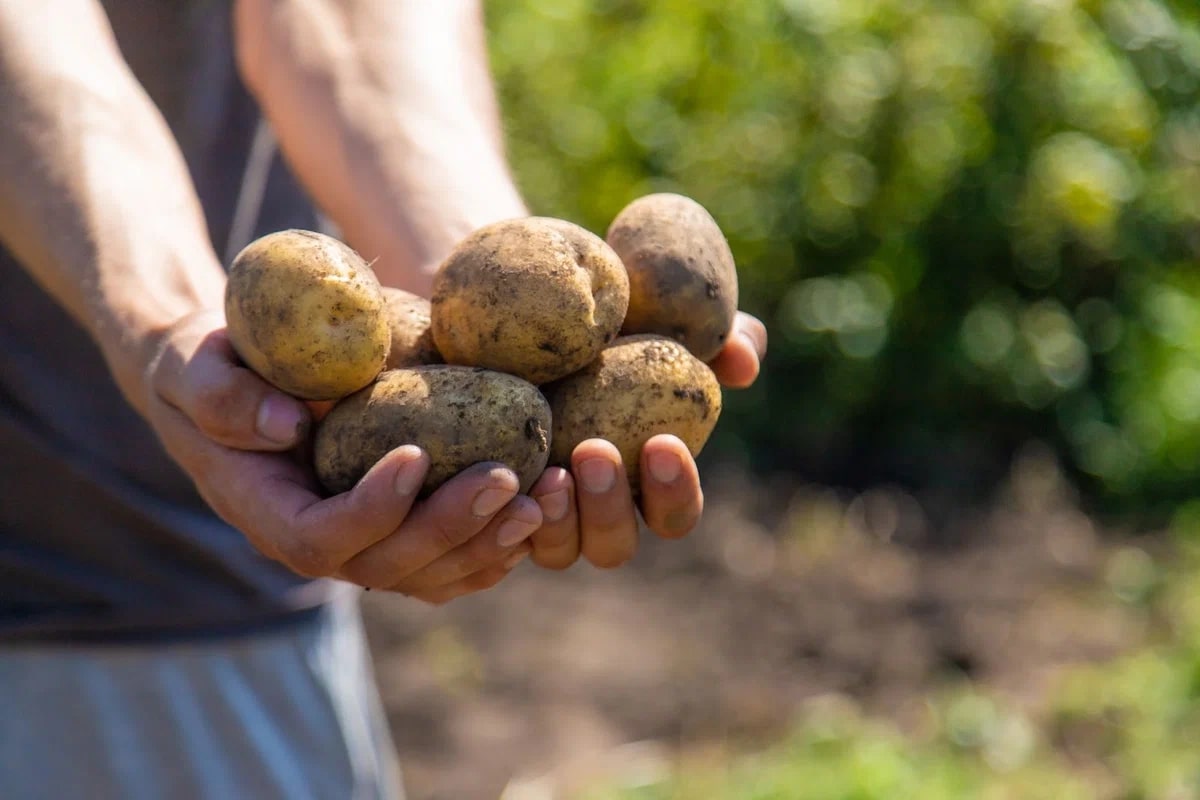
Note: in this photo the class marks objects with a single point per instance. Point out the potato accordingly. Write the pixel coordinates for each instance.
(639, 387)
(305, 312)
(682, 277)
(459, 415)
(412, 340)
(534, 297)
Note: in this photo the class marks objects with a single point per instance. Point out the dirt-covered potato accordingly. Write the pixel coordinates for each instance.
(459, 415)
(305, 312)
(412, 340)
(682, 278)
(533, 297)
(639, 387)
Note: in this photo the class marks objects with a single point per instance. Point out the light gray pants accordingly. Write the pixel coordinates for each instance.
(291, 714)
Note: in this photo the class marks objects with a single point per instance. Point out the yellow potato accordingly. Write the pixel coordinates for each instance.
(305, 312)
(459, 415)
(682, 278)
(533, 297)
(408, 318)
(639, 387)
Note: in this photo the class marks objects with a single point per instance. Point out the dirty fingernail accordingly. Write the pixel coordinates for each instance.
(597, 475)
(411, 473)
(554, 505)
(280, 420)
(514, 531)
(664, 467)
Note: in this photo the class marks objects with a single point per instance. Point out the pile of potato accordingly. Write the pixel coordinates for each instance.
(539, 335)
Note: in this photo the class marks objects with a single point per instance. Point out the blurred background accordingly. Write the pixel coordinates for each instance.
(952, 540)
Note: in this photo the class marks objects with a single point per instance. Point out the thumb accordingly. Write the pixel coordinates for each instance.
(738, 364)
(197, 371)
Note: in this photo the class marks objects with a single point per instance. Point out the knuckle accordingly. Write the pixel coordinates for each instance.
(557, 561)
(156, 374)
(554, 537)
(617, 549)
(675, 524)
(360, 573)
(611, 559)
(307, 558)
(605, 517)
(162, 373)
(484, 579)
(611, 526)
(446, 532)
(217, 406)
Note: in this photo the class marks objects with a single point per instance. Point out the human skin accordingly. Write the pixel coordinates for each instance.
(385, 111)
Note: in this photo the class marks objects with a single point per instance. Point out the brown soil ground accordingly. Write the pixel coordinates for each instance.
(785, 593)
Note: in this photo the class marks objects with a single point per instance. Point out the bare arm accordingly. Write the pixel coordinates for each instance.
(95, 198)
(385, 110)
(96, 202)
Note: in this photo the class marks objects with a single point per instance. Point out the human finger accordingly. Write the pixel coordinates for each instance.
(476, 582)
(275, 501)
(459, 509)
(556, 543)
(504, 535)
(327, 534)
(197, 372)
(738, 364)
(672, 500)
(607, 517)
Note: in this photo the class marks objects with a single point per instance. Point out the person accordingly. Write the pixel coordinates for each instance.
(178, 603)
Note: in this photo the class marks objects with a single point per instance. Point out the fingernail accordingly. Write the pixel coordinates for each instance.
(280, 420)
(753, 345)
(411, 473)
(489, 501)
(514, 531)
(494, 498)
(515, 558)
(554, 505)
(664, 467)
(597, 475)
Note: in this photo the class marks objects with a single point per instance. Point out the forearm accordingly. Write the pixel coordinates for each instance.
(386, 112)
(95, 200)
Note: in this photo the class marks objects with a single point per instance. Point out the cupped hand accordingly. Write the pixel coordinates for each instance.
(591, 511)
(232, 433)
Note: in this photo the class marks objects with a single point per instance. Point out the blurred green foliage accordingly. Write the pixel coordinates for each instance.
(966, 223)
(1124, 730)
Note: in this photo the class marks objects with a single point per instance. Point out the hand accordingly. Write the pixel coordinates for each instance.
(593, 514)
(230, 431)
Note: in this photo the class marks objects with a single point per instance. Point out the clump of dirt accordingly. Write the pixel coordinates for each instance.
(786, 592)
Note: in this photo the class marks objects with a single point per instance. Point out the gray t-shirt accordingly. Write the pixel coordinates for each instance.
(100, 532)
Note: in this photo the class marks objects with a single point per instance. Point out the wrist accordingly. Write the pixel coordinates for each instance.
(407, 249)
(411, 221)
(130, 333)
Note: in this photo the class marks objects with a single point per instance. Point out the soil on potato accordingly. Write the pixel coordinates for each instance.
(786, 592)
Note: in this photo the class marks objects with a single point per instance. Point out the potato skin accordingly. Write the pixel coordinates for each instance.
(305, 312)
(409, 320)
(459, 415)
(640, 386)
(534, 297)
(682, 277)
